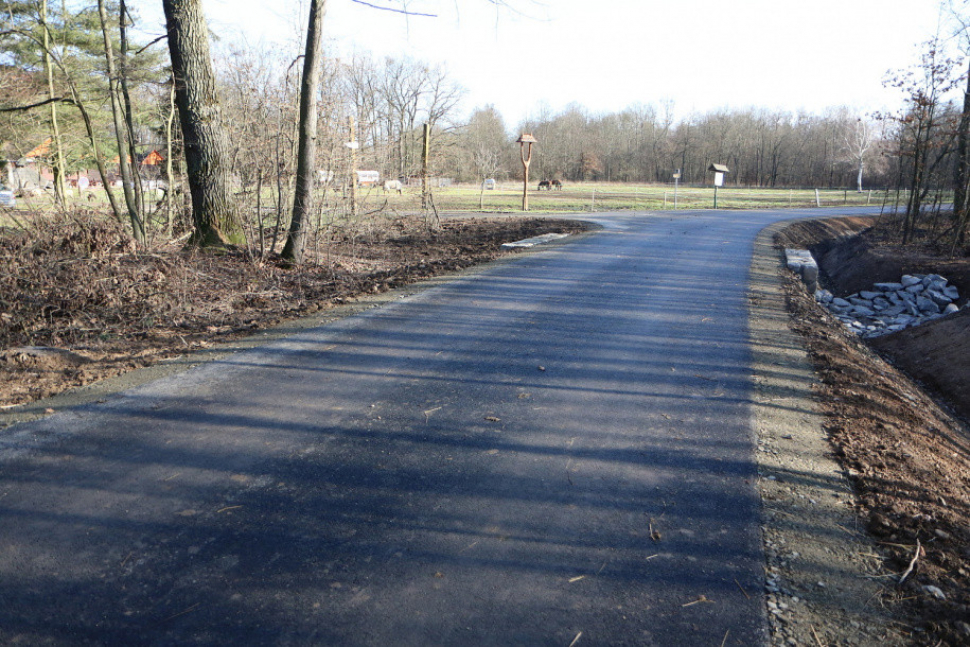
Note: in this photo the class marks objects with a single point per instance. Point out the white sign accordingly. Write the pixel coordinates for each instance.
(719, 179)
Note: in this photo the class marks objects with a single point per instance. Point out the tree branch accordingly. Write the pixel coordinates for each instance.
(404, 11)
(162, 37)
(45, 102)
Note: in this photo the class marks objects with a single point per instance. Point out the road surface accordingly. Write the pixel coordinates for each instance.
(554, 451)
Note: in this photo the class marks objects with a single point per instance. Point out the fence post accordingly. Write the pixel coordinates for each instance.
(592, 201)
(868, 197)
(665, 199)
(818, 200)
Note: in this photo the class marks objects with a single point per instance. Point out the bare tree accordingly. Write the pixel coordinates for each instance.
(859, 137)
(122, 132)
(306, 173)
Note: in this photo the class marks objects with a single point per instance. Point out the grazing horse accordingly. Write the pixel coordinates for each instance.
(557, 185)
(393, 185)
(545, 184)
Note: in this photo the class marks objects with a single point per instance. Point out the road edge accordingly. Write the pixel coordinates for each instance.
(824, 579)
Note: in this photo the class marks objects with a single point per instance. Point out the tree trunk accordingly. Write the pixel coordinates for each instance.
(306, 171)
(121, 132)
(169, 174)
(128, 109)
(60, 192)
(962, 179)
(204, 137)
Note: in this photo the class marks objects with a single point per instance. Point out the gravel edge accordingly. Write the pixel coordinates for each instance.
(825, 584)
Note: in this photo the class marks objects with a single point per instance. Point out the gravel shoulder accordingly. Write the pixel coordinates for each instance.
(826, 584)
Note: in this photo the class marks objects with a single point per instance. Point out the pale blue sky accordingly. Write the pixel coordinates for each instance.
(609, 54)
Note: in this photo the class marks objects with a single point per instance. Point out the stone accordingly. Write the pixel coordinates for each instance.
(938, 297)
(842, 303)
(909, 280)
(869, 295)
(823, 296)
(950, 309)
(935, 591)
(863, 311)
(889, 287)
(952, 292)
(801, 262)
(927, 306)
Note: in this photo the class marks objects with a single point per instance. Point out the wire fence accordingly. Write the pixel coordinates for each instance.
(588, 198)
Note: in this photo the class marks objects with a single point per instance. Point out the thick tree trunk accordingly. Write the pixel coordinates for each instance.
(204, 137)
(306, 168)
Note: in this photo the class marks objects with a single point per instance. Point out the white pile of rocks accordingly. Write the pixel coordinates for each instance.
(890, 307)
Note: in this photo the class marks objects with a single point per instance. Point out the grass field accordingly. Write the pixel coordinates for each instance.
(507, 198)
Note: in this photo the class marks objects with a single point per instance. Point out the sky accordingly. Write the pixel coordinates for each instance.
(606, 55)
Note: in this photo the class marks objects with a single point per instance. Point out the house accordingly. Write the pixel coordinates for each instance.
(368, 178)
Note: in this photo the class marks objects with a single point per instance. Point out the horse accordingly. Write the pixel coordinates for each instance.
(557, 185)
(393, 185)
(545, 184)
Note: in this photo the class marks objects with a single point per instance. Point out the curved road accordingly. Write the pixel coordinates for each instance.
(555, 451)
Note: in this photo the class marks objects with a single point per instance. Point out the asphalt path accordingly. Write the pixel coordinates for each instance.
(556, 450)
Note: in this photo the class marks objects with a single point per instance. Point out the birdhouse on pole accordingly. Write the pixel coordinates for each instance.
(719, 170)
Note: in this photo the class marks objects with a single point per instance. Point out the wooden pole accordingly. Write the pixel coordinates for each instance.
(526, 160)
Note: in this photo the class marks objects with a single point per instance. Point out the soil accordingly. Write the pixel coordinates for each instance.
(895, 413)
(78, 304)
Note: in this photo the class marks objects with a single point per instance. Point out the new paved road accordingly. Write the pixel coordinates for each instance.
(555, 451)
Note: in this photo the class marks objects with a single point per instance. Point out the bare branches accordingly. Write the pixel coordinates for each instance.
(157, 40)
(40, 104)
(404, 11)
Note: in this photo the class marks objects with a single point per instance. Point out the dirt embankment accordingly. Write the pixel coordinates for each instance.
(80, 303)
(908, 454)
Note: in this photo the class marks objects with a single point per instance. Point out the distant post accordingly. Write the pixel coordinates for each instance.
(676, 182)
(719, 170)
(526, 160)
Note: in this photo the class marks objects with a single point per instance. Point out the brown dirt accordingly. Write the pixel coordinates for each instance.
(907, 452)
(79, 303)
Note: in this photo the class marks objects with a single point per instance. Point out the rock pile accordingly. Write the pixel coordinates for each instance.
(890, 307)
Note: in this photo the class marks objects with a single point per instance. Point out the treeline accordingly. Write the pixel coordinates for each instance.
(70, 73)
(762, 148)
